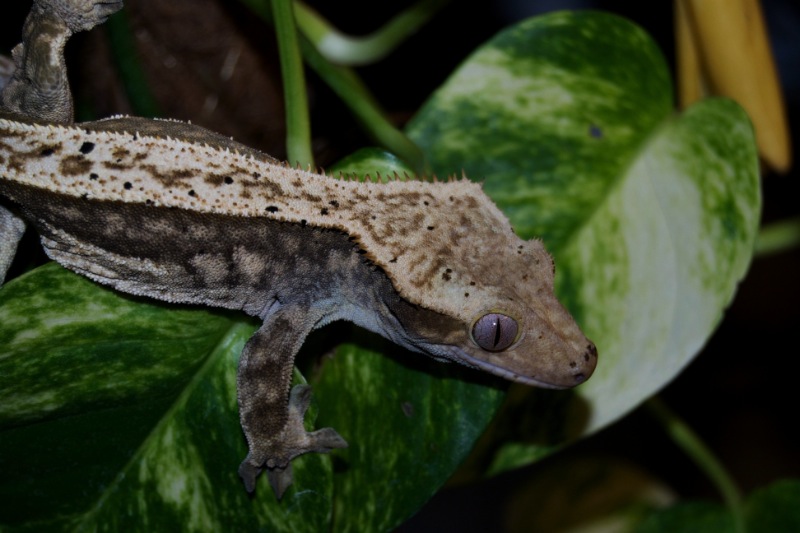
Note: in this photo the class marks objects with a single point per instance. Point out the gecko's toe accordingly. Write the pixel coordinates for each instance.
(325, 440)
(249, 473)
(280, 479)
(300, 399)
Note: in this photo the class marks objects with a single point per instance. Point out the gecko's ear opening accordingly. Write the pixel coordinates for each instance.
(494, 332)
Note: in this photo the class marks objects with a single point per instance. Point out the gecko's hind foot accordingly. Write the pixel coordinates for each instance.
(275, 454)
(81, 15)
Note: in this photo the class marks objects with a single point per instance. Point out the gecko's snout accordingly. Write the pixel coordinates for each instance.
(584, 369)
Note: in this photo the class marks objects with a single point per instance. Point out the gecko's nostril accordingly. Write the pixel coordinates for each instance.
(591, 351)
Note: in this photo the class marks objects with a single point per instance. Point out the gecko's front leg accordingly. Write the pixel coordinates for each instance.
(271, 416)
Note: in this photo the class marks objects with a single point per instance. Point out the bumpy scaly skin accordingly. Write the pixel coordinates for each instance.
(425, 264)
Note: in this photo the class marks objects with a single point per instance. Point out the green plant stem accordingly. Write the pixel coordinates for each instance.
(362, 104)
(298, 124)
(778, 237)
(123, 49)
(690, 443)
(346, 49)
(347, 85)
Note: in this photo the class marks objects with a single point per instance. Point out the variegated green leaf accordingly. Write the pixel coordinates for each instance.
(409, 424)
(651, 217)
(371, 163)
(120, 414)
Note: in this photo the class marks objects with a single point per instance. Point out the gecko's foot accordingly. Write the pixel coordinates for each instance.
(81, 15)
(275, 454)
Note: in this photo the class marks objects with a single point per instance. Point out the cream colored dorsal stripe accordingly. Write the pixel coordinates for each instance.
(425, 235)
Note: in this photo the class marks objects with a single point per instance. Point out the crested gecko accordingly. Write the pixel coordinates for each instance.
(172, 211)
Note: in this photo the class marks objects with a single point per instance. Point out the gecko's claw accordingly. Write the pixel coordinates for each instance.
(249, 473)
(276, 456)
(280, 479)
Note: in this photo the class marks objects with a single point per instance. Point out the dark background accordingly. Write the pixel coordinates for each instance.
(739, 394)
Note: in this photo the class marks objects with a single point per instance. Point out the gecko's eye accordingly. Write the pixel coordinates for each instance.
(494, 332)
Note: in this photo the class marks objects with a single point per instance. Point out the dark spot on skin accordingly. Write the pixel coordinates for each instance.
(214, 179)
(580, 378)
(323, 211)
(425, 202)
(47, 152)
(303, 222)
(310, 197)
(93, 176)
(472, 283)
(228, 180)
(86, 148)
(446, 275)
(586, 357)
(573, 364)
(373, 217)
(595, 131)
(148, 202)
(191, 192)
(272, 209)
(128, 185)
(393, 260)
(75, 165)
(334, 203)
(466, 295)
(169, 178)
(256, 175)
(116, 165)
(430, 228)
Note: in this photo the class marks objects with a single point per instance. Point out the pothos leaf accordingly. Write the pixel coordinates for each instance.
(651, 217)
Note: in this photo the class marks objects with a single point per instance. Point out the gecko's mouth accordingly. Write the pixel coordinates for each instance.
(454, 354)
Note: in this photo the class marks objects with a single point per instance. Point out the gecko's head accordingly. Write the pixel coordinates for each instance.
(519, 331)
(539, 345)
